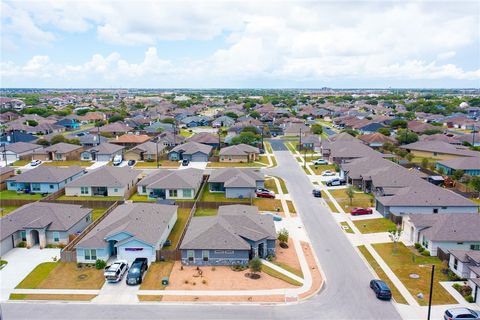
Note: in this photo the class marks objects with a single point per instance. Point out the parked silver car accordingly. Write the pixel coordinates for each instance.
(461, 313)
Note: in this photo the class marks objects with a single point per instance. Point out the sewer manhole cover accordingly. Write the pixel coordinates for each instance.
(414, 276)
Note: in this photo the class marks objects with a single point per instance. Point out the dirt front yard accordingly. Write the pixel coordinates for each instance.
(288, 259)
(220, 278)
(316, 275)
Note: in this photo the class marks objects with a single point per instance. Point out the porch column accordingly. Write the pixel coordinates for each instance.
(42, 238)
(29, 238)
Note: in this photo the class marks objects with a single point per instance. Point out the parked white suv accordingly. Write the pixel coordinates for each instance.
(116, 271)
(117, 160)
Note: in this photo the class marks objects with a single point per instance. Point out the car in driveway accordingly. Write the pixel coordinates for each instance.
(328, 173)
(137, 270)
(382, 291)
(115, 271)
(117, 160)
(317, 193)
(461, 313)
(336, 182)
(185, 162)
(264, 193)
(35, 163)
(319, 162)
(361, 211)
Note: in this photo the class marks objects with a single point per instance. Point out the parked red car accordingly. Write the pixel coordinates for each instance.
(265, 194)
(361, 211)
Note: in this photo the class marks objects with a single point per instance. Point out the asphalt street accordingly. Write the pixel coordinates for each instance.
(346, 294)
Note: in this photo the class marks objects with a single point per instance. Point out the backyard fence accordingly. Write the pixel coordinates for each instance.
(162, 255)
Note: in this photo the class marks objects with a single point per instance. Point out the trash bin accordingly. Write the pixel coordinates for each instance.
(165, 281)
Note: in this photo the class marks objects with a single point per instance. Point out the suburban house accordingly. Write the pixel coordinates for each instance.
(130, 231)
(16, 151)
(193, 151)
(42, 223)
(376, 140)
(148, 151)
(223, 121)
(454, 231)
(292, 129)
(422, 199)
(103, 152)
(207, 138)
(70, 123)
(235, 182)
(5, 173)
(195, 121)
(239, 153)
(58, 152)
(105, 181)
(311, 142)
(438, 150)
(130, 140)
(466, 264)
(16, 136)
(91, 140)
(113, 129)
(469, 165)
(44, 179)
(235, 235)
(171, 184)
(169, 139)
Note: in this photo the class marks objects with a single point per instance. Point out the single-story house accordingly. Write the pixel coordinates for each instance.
(158, 126)
(44, 179)
(17, 150)
(171, 184)
(59, 152)
(102, 152)
(469, 165)
(311, 142)
(148, 151)
(113, 129)
(70, 123)
(370, 127)
(438, 150)
(195, 121)
(5, 173)
(193, 151)
(376, 140)
(223, 121)
(207, 138)
(91, 140)
(42, 223)
(239, 153)
(235, 235)
(130, 140)
(17, 136)
(130, 231)
(466, 264)
(296, 129)
(235, 182)
(169, 139)
(454, 231)
(104, 181)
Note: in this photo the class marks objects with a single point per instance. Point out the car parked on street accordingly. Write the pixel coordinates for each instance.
(116, 271)
(361, 211)
(317, 193)
(320, 162)
(131, 163)
(336, 182)
(461, 313)
(264, 193)
(382, 291)
(35, 163)
(137, 270)
(328, 173)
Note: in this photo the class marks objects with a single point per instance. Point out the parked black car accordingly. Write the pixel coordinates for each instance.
(137, 269)
(185, 162)
(131, 163)
(382, 291)
(317, 193)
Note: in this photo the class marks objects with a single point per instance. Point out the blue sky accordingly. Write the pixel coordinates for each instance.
(240, 44)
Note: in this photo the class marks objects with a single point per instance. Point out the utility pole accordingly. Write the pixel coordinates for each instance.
(5, 154)
(262, 139)
(473, 137)
(305, 158)
(156, 145)
(300, 140)
(431, 292)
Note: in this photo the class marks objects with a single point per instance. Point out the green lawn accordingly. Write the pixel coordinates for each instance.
(156, 271)
(153, 164)
(142, 198)
(34, 278)
(185, 133)
(362, 200)
(282, 185)
(182, 217)
(291, 147)
(20, 163)
(268, 147)
(205, 212)
(92, 198)
(374, 225)
(274, 161)
(234, 164)
(271, 185)
(97, 213)
(406, 262)
(10, 194)
(289, 268)
(208, 196)
(279, 275)
(382, 275)
(7, 209)
(68, 163)
(267, 204)
(291, 207)
(329, 202)
(319, 169)
(263, 160)
(346, 227)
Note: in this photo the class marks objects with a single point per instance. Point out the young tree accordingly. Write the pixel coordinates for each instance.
(425, 162)
(395, 235)
(384, 131)
(317, 129)
(282, 236)
(57, 139)
(458, 174)
(350, 193)
(474, 183)
(405, 136)
(255, 265)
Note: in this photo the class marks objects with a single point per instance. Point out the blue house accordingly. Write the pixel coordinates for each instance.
(192, 151)
(235, 235)
(44, 179)
(196, 121)
(371, 128)
(130, 231)
(469, 165)
(69, 123)
(235, 182)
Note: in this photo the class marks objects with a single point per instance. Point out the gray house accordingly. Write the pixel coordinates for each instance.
(237, 234)
(42, 223)
(130, 231)
(171, 184)
(14, 151)
(103, 152)
(192, 151)
(236, 183)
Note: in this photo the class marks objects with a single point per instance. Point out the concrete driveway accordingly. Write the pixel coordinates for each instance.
(97, 164)
(21, 262)
(195, 164)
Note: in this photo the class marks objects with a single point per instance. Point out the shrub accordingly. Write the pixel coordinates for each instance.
(469, 299)
(22, 244)
(421, 249)
(50, 246)
(100, 264)
(204, 281)
(186, 281)
(426, 253)
(417, 245)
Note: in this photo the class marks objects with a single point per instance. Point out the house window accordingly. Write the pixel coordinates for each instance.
(35, 186)
(435, 210)
(58, 156)
(23, 235)
(90, 254)
(115, 189)
(435, 154)
(51, 186)
(455, 263)
(219, 251)
(84, 190)
(87, 219)
(191, 255)
(172, 193)
(56, 236)
(144, 189)
(425, 243)
(187, 193)
(205, 255)
(229, 251)
(475, 247)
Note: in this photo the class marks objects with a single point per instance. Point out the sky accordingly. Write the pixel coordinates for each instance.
(245, 44)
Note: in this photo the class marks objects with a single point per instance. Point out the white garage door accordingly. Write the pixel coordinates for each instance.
(131, 253)
(198, 157)
(6, 245)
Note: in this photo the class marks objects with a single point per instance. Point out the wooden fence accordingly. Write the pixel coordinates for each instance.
(162, 255)
(442, 255)
(15, 202)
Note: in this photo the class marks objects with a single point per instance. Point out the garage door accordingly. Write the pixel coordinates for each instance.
(131, 253)
(199, 157)
(6, 245)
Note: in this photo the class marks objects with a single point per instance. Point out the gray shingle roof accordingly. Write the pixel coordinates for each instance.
(55, 216)
(440, 147)
(21, 147)
(451, 227)
(238, 150)
(62, 147)
(466, 163)
(106, 177)
(235, 177)
(192, 147)
(229, 229)
(144, 221)
(173, 179)
(47, 174)
(425, 196)
(106, 148)
(149, 147)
